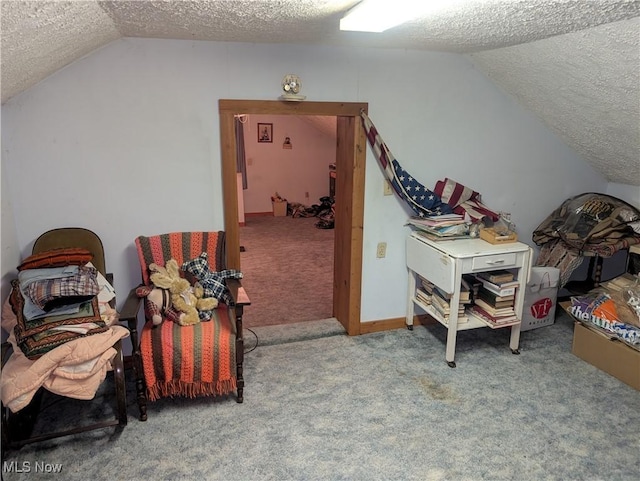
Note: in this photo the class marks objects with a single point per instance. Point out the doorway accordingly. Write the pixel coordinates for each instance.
(350, 170)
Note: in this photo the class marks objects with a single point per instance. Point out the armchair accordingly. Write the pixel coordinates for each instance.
(173, 360)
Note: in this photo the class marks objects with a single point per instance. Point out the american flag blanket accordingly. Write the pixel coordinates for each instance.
(422, 200)
(463, 200)
(448, 196)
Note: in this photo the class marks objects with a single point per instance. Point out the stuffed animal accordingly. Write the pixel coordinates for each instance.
(212, 281)
(158, 304)
(188, 300)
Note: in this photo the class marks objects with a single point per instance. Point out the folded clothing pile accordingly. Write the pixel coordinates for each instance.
(55, 300)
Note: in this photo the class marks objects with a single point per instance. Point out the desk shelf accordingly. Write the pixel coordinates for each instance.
(473, 322)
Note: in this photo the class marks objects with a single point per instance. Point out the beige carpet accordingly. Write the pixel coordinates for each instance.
(288, 270)
(377, 407)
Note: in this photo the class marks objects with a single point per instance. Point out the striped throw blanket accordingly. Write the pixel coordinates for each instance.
(179, 360)
(181, 246)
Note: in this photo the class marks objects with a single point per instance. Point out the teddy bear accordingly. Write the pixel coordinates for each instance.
(212, 281)
(158, 304)
(188, 300)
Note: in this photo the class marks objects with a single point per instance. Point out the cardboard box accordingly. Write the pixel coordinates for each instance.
(279, 209)
(610, 355)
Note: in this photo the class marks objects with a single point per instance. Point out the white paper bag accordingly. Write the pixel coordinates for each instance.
(540, 298)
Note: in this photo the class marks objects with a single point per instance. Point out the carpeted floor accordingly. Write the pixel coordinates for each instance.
(288, 270)
(321, 405)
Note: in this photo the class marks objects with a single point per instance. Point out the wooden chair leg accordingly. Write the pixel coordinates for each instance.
(141, 391)
(597, 275)
(239, 355)
(121, 388)
(136, 357)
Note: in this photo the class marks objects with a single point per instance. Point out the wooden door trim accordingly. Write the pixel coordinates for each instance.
(347, 283)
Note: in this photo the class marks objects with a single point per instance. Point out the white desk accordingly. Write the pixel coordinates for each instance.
(443, 264)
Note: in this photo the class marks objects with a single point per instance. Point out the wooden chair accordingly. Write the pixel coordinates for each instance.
(170, 360)
(18, 428)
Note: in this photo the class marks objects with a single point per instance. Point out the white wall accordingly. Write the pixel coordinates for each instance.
(291, 172)
(10, 256)
(628, 193)
(126, 142)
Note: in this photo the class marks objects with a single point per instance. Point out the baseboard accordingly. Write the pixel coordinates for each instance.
(396, 323)
(258, 214)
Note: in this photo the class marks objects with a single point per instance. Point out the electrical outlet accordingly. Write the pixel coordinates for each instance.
(387, 188)
(382, 250)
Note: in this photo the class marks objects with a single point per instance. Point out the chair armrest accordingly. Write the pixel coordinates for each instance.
(130, 309)
(239, 295)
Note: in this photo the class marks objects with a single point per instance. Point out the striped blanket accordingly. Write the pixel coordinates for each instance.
(181, 246)
(178, 360)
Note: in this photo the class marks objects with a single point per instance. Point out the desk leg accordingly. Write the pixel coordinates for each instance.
(524, 273)
(514, 342)
(452, 333)
(452, 329)
(410, 304)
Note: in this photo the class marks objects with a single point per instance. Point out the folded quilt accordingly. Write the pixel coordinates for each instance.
(74, 369)
(39, 336)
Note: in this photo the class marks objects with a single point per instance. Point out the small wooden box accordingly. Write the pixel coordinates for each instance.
(489, 234)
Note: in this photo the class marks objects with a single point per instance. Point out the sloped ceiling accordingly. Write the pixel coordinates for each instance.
(574, 63)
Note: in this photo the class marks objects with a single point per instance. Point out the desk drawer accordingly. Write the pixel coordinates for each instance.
(496, 261)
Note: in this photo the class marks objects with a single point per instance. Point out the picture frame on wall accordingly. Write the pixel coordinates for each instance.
(265, 132)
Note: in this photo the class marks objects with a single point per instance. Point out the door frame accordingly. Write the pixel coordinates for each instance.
(351, 148)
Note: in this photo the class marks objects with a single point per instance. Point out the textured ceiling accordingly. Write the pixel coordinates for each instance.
(575, 63)
(585, 86)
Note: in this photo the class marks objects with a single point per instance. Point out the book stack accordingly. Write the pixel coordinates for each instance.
(495, 297)
(441, 301)
(441, 227)
(424, 291)
(473, 284)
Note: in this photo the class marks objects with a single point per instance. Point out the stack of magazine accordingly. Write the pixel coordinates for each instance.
(441, 227)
